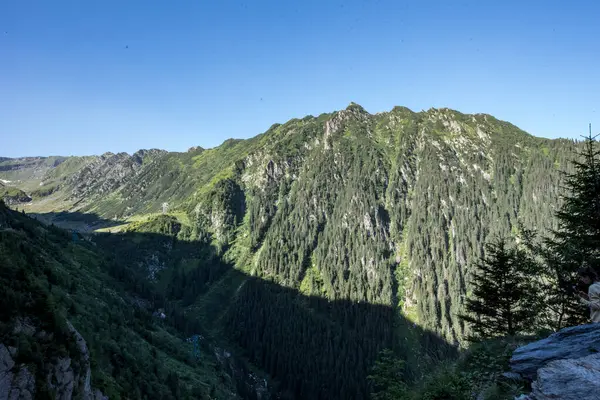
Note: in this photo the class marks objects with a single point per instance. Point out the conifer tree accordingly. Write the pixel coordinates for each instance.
(387, 377)
(576, 243)
(551, 278)
(504, 298)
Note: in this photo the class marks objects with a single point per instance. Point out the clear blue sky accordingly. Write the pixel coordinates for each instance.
(84, 77)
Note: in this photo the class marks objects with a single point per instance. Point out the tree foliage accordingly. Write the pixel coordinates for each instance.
(387, 377)
(573, 245)
(357, 231)
(505, 299)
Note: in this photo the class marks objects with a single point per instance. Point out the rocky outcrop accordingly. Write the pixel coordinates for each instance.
(577, 379)
(570, 343)
(66, 378)
(105, 174)
(12, 195)
(14, 384)
(565, 365)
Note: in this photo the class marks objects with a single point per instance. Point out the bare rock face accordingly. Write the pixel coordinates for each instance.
(6, 374)
(61, 379)
(83, 379)
(65, 378)
(108, 172)
(565, 365)
(14, 385)
(23, 385)
(569, 343)
(573, 379)
(18, 198)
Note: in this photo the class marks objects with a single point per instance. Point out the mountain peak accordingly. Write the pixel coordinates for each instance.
(195, 148)
(355, 107)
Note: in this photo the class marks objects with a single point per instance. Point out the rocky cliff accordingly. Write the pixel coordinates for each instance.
(62, 377)
(566, 365)
(12, 195)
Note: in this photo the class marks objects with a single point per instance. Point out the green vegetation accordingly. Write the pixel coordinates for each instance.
(312, 247)
(524, 289)
(505, 298)
(476, 372)
(163, 224)
(387, 377)
(13, 195)
(48, 277)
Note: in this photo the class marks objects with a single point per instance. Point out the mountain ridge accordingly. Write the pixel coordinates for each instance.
(389, 209)
(350, 106)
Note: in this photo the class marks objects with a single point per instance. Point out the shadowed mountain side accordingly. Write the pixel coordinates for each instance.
(314, 348)
(338, 205)
(81, 222)
(321, 349)
(51, 282)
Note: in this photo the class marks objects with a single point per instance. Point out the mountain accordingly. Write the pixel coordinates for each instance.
(13, 195)
(320, 242)
(69, 328)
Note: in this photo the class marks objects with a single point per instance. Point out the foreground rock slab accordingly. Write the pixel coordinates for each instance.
(576, 379)
(568, 344)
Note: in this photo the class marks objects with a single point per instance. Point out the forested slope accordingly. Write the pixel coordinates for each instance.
(363, 224)
(70, 324)
(382, 208)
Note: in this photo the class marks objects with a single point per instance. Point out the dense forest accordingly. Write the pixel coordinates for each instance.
(313, 247)
(58, 285)
(522, 287)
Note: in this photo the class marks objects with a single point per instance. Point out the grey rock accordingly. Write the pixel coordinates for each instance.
(108, 172)
(6, 361)
(25, 326)
(17, 199)
(570, 343)
(98, 395)
(83, 380)
(22, 386)
(81, 344)
(5, 385)
(6, 375)
(61, 379)
(512, 376)
(573, 379)
(65, 379)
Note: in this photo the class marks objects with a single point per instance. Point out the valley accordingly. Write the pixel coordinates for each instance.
(302, 252)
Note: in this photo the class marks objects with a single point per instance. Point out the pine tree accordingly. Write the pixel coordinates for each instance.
(579, 229)
(387, 377)
(575, 244)
(504, 300)
(555, 277)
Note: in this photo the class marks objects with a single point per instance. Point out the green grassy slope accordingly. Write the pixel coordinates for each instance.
(13, 195)
(49, 276)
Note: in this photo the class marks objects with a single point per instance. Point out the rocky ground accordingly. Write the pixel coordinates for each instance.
(565, 365)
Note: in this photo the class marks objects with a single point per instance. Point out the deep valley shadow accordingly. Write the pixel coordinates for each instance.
(314, 348)
(80, 222)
